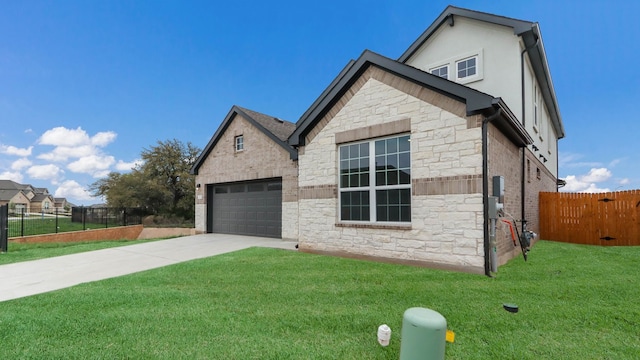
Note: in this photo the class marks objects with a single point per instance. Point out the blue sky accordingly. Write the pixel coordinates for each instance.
(86, 85)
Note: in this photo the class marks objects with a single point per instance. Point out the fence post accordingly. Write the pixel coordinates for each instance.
(124, 217)
(22, 211)
(106, 218)
(56, 220)
(84, 223)
(4, 228)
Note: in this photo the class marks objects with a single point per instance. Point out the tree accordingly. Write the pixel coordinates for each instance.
(169, 165)
(162, 184)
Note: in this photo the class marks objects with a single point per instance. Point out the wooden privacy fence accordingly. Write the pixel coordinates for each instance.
(611, 218)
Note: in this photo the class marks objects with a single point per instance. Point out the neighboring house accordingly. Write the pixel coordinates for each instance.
(395, 159)
(26, 198)
(61, 205)
(43, 203)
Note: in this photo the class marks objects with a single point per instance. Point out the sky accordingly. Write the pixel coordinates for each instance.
(86, 86)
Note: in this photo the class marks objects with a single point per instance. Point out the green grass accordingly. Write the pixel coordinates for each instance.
(36, 225)
(18, 252)
(576, 302)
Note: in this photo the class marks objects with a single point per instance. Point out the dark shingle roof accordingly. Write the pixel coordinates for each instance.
(282, 129)
(274, 128)
(11, 185)
(8, 194)
(476, 102)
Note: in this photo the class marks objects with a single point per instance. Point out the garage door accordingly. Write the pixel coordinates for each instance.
(247, 208)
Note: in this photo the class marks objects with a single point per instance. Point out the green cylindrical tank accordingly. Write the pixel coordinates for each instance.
(423, 334)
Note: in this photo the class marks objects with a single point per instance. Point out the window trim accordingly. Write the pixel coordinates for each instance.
(452, 66)
(372, 188)
(239, 143)
(468, 78)
(439, 67)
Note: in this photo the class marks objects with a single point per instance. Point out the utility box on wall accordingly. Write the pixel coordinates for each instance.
(498, 188)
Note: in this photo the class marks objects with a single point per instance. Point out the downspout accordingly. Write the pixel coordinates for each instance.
(485, 189)
(524, 148)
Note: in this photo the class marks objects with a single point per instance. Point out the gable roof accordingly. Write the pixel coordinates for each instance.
(276, 129)
(476, 102)
(8, 194)
(11, 185)
(41, 198)
(530, 34)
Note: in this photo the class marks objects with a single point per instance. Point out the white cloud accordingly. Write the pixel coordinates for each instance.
(104, 138)
(12, 175)
(128, 166)
(597, 175)
(61, 136)
(63, 153)
(12, 150)
(45, 172)
(587, 183)
(70, 189)
(21, 164)
(624, 181)
(96, 165)
(28, 131)
(73, 143)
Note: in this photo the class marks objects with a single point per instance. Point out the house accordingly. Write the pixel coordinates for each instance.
(42, 201)
(396, 158)
(26, 198)
(62, 205)
(250, 176)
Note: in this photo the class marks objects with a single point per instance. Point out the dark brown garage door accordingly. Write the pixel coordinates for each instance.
(247, 208)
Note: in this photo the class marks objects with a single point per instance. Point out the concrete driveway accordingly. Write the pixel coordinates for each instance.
(40, 276)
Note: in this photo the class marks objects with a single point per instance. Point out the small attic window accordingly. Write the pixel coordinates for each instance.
(441, 71)
(239, 140)
(466, 67)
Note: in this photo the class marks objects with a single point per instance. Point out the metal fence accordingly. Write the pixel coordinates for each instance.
(4, 230)
(22, 223)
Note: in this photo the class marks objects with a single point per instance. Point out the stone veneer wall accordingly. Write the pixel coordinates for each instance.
(447, 211)
(261, 159)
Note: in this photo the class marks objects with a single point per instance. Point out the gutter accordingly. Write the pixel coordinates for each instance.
(485, 189)
(522, 170)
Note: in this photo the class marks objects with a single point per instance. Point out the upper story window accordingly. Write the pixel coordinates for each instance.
(239, 143)
(441, 71)
(463, 68)
(375, 181)
(467, 67)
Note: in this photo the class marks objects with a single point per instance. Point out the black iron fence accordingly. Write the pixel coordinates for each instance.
(4, 229)
(22, 223)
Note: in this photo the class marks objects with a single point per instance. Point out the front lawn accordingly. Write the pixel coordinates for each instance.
(576, 302)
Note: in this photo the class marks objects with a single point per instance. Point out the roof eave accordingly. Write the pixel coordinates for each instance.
(530, 33)
(519, 26)
(476, 102)
(236, 110)
(510, 126)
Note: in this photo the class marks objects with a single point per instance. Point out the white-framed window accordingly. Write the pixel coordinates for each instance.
(239, 140)
(463, 68)
(441, 71)
(467, 68)
(375, 181)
